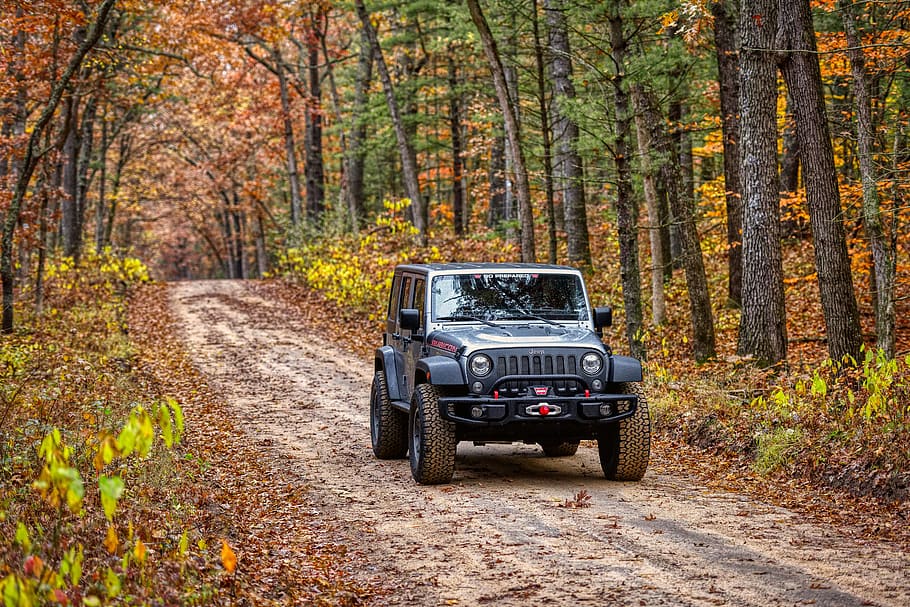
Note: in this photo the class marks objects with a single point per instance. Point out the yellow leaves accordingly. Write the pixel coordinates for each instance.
(668, 21)
(140, 552)
(111, 541)
(228, 558)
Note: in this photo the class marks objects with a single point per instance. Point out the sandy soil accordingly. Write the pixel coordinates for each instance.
(501, 532)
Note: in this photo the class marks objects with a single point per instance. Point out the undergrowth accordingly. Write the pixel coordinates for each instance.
(90, 511)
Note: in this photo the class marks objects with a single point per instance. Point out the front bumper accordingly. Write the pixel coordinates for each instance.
(487, 411)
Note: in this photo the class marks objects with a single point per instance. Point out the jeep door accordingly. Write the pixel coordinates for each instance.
(412, 341)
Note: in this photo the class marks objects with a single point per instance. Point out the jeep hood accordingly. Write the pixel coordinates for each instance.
(473, 338)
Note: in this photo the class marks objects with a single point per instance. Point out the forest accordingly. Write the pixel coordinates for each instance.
(731, 175)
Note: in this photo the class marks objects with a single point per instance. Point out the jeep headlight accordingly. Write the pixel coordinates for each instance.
(592, 363)
(481, 365)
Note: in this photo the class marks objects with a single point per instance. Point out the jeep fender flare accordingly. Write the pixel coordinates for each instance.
(386, 361)
(439, 371)
(625, 369)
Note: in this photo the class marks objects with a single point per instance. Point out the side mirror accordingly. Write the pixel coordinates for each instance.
(409, 319)
(603, 317)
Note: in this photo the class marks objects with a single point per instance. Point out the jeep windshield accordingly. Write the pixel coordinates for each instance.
(501, 296)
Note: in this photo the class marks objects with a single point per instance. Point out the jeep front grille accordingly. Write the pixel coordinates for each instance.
(541, 367)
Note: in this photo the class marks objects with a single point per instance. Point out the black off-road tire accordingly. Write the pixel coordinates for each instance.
(388, 425)
(432, 439)
(625, 446)
(564, 449)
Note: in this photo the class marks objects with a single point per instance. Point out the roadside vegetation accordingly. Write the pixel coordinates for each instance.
(108, 494)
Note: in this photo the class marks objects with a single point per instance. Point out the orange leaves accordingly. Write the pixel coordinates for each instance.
(228, 558)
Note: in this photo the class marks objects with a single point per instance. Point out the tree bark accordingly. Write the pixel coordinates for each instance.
(69, 204)
(658, 255)
(683, 209)
(355, 165)
(626, 213)
(728, 79)
(763, 324)
(566, 136)
(313, 164)
(405, 146)
(548, 175)
(290, 148)
(883, 262)
(101, 205)
(525, 212)
(497, 214)
(125, 150)
(460, 218)
(802, 74)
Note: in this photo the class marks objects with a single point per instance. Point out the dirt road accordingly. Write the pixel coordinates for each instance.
(501, 532)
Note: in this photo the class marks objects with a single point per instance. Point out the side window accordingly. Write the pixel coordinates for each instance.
(394, 298)
(420, 297)
(405, 299)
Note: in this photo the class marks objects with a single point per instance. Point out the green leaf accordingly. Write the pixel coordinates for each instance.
(178, 417)
(10, 586)
(111, 489)
(22, 538)
(184, 544)
(126, 441)
(167, 426)
(145, 435)
(112, 583)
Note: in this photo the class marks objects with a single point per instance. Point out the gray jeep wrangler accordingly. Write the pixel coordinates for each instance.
(501, 353)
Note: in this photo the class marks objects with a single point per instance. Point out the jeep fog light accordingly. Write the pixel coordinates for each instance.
(477, 387)
(606, 411)
(592, 363)
(476, 412)
(481, 365)
(597, 385)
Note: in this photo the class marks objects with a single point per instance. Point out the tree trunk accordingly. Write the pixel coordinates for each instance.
(262, 266)
(458, 194)
(658, 297)
(356, 152)
(763, 324)
(497, 213)
(728, 79)
(290, 147)
(525, 212)
(683, 208)
(883, 262)
(832, 260)
(626, 213)
(125, 149)
(545, 136)
(789, 162)
(313, 165)
(405, 146)
(565, 130)
(101, 205)
(69, 204)
(86, 146)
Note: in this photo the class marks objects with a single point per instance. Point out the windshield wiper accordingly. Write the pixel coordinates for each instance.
(525, 315)
(460, 317)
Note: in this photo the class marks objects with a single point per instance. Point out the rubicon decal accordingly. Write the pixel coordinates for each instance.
(444, 345)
